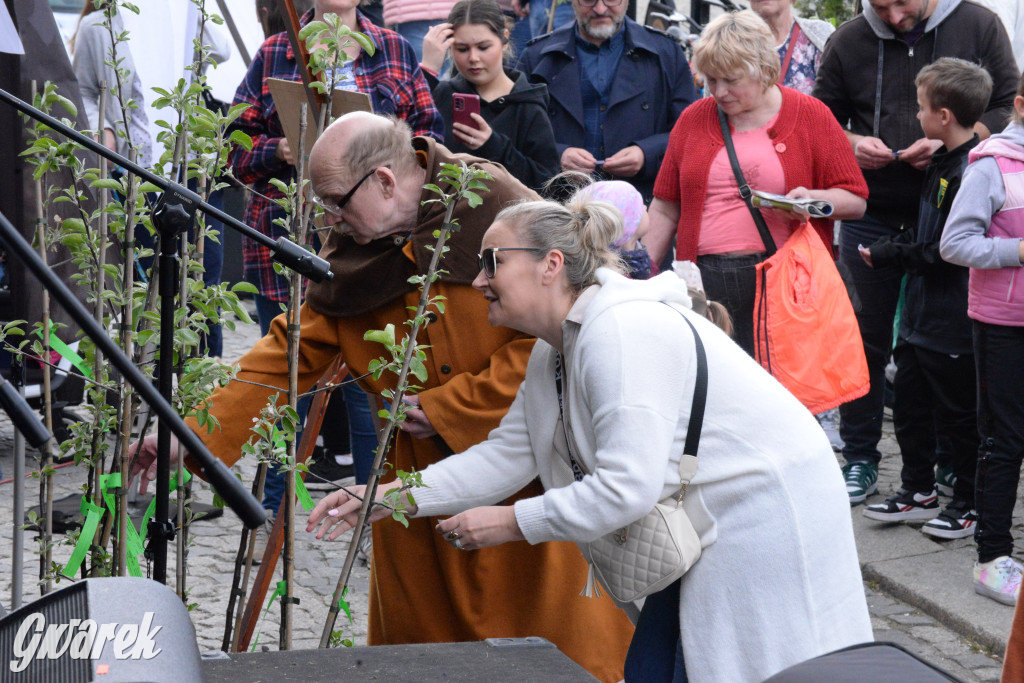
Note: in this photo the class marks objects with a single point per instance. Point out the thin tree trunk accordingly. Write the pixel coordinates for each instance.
(385, 437)
(294, 304)
(45, 481)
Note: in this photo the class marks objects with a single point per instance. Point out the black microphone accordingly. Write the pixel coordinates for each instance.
(23, 417)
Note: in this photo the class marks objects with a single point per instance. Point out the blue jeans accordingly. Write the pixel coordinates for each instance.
(539, 10)
(414, 32)
(362, 435)
(213, 264)
(878, 289)
(273, 487)
(656, 652)
(521, 35)
(998, 350)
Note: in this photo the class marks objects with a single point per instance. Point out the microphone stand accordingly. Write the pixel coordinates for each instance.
(171, 217)
(27, 427)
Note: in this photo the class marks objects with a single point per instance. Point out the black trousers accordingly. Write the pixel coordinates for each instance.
(732, 281)
(935, 401)
(999, 353)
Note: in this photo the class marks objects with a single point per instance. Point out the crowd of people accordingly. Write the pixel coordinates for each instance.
(608, 166)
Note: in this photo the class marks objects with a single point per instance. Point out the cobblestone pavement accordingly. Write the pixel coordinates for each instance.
(318, 565)
(899, 623)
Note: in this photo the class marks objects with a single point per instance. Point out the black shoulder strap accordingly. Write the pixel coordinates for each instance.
(700, 394)
(700, 399)
(762, 227)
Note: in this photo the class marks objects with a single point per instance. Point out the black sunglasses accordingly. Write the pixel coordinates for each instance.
(489, 261)
(335, 208)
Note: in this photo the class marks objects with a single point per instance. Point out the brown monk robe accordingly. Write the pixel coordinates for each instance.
(421, 588)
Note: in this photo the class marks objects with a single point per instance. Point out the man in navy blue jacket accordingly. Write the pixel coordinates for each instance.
(616, 90)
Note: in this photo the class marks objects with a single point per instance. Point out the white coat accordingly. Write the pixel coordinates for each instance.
(778, 581)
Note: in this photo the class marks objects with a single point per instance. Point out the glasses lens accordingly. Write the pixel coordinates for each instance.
(489, 262)
(327, 206)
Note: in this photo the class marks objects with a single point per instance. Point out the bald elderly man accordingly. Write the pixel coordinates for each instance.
(369, 172)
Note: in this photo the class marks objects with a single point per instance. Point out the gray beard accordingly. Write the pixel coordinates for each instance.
(602, 33)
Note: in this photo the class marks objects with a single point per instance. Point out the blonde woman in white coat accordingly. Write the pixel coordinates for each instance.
(778, 581)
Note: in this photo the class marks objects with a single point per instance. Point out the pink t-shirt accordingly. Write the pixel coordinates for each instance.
(727, 224)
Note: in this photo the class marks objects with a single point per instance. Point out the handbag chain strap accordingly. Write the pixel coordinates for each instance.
(693, 429)
(745, 193)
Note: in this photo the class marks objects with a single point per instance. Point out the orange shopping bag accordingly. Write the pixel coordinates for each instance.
(805, 332)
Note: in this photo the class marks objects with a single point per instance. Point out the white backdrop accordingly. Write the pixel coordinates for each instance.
(161, 45)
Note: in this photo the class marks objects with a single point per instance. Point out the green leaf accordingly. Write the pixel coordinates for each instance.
(418, 369)
(311, 28)
(473, 199)
(107, 184)
(364, 43)
(187, 336)
(385, 336)
(241, 139)
(247, 287)
(68, 105)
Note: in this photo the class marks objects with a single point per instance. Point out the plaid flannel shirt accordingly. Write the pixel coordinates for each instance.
(396, 86)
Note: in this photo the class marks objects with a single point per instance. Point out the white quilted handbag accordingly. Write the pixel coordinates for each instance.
(649, 554)
(655, 550)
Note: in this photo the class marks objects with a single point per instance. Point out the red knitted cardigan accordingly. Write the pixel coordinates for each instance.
(811, 146)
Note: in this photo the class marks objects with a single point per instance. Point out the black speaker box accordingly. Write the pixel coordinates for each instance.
(494, 659)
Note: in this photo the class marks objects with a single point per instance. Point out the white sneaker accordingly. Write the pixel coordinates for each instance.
(999, 579)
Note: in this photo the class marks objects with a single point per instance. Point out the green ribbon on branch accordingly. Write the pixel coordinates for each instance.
(302, 493)
(66, 352)
(93, 514)
(282, 587)
(344, 606)
(134, 541)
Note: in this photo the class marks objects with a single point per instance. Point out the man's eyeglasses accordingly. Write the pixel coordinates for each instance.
(335, 208)
(489, 260)
(607, 3)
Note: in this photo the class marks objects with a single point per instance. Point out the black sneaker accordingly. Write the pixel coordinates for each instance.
(958, 520)
(905, 506)
(326, 474)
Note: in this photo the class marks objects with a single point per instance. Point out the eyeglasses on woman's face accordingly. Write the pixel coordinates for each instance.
(607, 3)
(488, 258)
(336, 207)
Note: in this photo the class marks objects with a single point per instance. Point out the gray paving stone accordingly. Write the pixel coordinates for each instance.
(974, 660)
(988, 674)
(936, 635)
(912, 619)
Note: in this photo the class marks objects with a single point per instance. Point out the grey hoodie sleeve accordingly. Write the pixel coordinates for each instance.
(964, 241)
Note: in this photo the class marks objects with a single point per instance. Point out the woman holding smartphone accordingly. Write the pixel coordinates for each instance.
(489, 111)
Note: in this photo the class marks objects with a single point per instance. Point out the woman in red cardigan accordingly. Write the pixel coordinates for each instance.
(786, 142)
